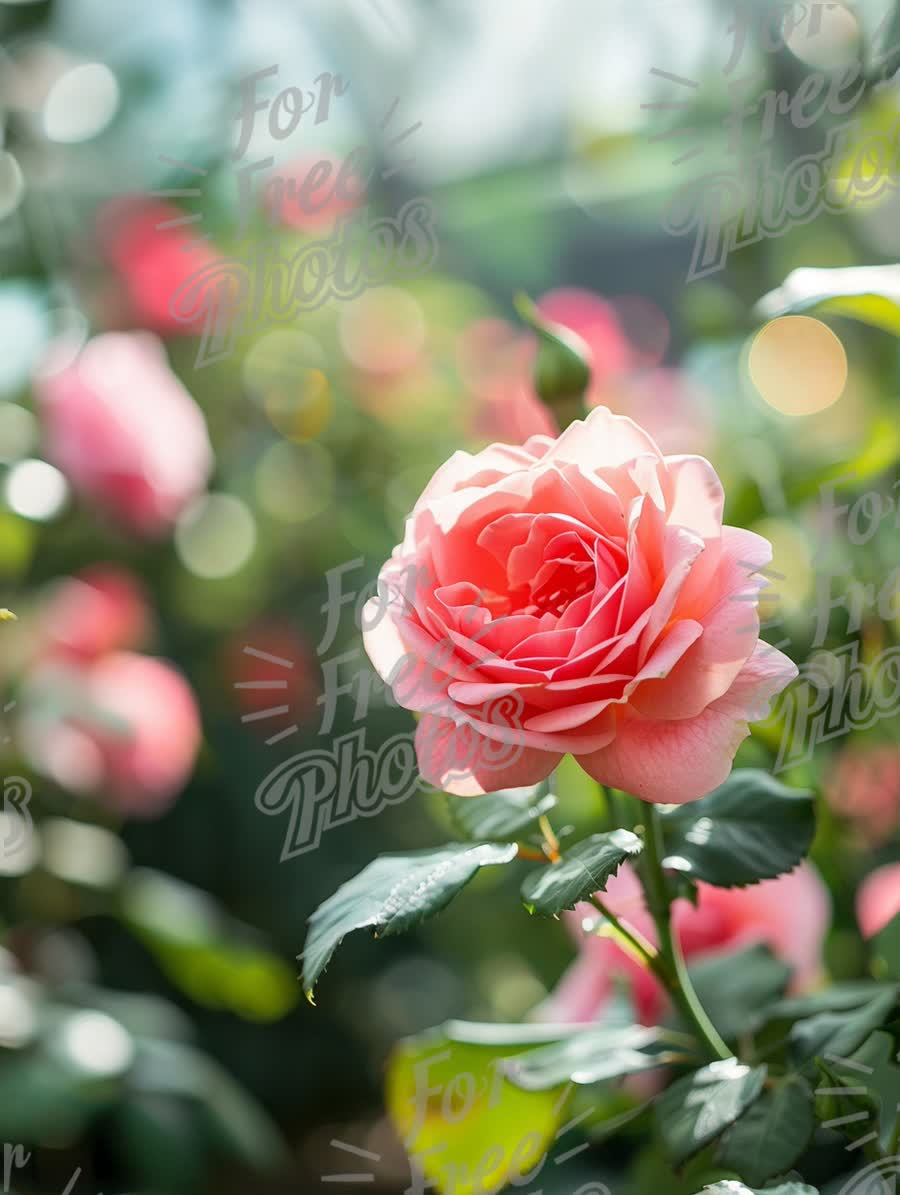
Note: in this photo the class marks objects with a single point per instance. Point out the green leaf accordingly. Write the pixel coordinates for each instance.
(501, 815)
(235, 1123)
(735, 1188)
(886, 949)
(844, 1103)
(840, 997)
(469, 1130)
(211, 957)
(870, 294)
(736, 989)
(591, 1056)
(750, 828)
(392, 894)
(772, 1134)
(582, 871)
(840, 1033)
(698, 1108)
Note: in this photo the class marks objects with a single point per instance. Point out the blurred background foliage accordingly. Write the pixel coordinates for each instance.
(152, 1029)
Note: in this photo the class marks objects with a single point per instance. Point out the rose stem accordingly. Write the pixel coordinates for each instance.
(645, 949)
(673, 971)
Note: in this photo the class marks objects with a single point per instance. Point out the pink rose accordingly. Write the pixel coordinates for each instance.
(124, 727)
(154, 257)
(98, 610)
(865, 788)
(878, 899)
(124, 430)
(577, 595)
(790, 915)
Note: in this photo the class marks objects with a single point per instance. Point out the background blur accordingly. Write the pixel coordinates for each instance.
(152, 1027)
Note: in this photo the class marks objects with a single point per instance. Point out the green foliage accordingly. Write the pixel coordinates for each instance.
(772, 1134)
(582, 871)
(737, 988)
(392, 894)
(500, 816)
(750, 828)
(695, 1110)
(463, 1124)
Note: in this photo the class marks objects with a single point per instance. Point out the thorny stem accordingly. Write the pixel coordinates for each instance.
(671, 967)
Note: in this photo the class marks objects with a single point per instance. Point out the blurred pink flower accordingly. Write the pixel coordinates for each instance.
(669, 404)
(153, 257)
(297, 674)
(865, 788)
(124, 727)
(124, 430)
(100, 609)
(495, 360)
(307, 195)
(878, 899)
(790, 914)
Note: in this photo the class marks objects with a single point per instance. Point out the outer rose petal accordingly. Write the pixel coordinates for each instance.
(680, 761)
(459, 760)
(878, 900)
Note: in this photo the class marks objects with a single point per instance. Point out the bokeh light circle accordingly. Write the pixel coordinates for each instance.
(283, 373)
(36, 490)
(382, 331)
(215, 536)
(798, 365)
(81, 103)
(294, 482)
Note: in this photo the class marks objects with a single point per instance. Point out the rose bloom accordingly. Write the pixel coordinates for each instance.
(151, 260)
(124, 430)
(124, 727)
(865, 788)
(878, 899)
(790, 915)
(576, 595)
(97, 610)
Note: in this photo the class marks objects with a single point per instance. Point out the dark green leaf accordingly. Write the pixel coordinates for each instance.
(772, 1134)
(840, 997)
(591, 1056)
(698, 1108)
(582, 871)
(735, 989)
(844, 1102)
(751, 828)
(392, 894)
(840, 1033)
(501, 815)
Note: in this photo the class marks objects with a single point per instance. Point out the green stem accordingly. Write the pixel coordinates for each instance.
(673, 971)
(646, 951)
